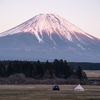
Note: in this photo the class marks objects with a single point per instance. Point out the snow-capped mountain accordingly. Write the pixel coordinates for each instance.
(48, 36)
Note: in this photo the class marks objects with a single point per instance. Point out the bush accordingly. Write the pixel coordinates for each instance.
(17, 78)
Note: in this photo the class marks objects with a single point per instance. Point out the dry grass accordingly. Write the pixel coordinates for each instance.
(44, 92)
(92, 73)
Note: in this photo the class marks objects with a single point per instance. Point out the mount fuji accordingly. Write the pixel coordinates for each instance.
(48, 37)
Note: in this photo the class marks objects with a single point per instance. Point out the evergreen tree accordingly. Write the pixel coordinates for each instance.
(10, 69)
(79, 72)
(2, 70)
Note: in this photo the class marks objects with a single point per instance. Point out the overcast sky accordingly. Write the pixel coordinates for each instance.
(85, 14)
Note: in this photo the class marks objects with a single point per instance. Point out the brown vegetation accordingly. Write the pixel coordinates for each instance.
(44, 92)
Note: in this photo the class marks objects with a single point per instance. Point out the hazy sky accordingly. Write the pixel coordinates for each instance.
(85, 14)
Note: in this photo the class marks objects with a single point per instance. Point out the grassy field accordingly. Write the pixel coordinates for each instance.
(92, 73)
(44, 92)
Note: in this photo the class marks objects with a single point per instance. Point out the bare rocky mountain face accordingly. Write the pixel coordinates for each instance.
(48, 37)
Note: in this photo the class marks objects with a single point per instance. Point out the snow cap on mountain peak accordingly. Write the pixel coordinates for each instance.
(49, 24)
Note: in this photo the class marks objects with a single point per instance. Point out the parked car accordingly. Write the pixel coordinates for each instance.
(56, 87)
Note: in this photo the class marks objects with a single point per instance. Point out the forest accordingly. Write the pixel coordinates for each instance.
(58, 69)
(85, 65)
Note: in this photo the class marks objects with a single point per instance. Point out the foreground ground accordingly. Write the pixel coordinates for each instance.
(44, 92)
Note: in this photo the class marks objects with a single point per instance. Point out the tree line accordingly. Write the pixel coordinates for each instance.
(41, 70)
(85, 65)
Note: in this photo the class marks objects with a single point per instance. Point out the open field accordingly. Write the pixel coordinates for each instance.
(92, 73)
(44, 92)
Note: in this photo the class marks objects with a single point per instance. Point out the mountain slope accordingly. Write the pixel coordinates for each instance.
(49, 36)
